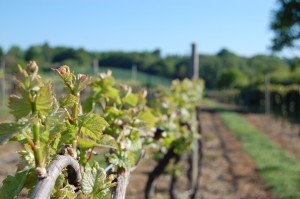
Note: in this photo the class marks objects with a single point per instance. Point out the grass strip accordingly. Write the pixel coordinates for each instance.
(279, 170)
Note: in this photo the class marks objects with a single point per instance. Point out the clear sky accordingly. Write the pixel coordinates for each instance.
(242, 26)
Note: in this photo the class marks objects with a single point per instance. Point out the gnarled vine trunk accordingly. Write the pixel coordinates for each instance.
(45, 186)
(198, 162)
(120, 191)
(158, 170)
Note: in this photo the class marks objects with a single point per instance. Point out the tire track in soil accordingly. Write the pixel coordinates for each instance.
(284, 134)
(228, 171)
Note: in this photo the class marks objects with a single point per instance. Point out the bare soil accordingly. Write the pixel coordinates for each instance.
(8, 159)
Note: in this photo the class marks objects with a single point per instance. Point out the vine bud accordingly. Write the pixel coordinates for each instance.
(41, 172)
(32, 67)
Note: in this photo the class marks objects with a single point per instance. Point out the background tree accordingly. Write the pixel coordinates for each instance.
(14, 56)
(232, 78)
(286, 24)
(1, 52)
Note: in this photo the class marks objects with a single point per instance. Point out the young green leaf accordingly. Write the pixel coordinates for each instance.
(66, 193)
(107, 141)
(93, 179)
(113, 94)
(120, 159)
(148, 118)
(8, 130)
(130, 99)
(69, 134)
(20, 106)
(136, 142)
(104, 141)
(88, 104)
(92, 125)
(67, 101)
(12, 185)
(44, 101)
(86, 143)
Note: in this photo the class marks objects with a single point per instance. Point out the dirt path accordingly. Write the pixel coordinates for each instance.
(228, 172)
(284, 134)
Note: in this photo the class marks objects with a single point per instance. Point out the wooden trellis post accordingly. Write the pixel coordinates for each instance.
(196, 156)
(194, 69)
(95, 66)
(267, 94)
(3, 86)
(133, 72)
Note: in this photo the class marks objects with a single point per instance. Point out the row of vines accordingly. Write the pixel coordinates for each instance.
(86, 143)
(284, 100)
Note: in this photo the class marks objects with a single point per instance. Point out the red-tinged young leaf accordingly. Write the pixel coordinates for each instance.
(65, 74)
(82, 82)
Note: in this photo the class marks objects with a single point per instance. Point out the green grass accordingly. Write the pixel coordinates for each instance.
(279, 170)
(144, 78)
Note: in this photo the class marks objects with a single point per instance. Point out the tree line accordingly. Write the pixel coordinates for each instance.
(224, 69)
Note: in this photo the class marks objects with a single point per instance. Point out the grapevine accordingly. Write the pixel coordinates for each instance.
(59, 135)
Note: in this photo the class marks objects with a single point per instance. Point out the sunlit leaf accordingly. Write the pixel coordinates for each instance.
(93, 178)
(44, 101)
(107, 141)
(20, 107)
(85, 143)
(68, 101)
(92, 125)
(104, 141)
(120, 159)
(148, 118)
(69, 134)
(130, 99)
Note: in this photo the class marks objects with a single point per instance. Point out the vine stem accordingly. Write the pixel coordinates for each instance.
(38, 155)
(90, 155)
(74, 117)
(123, 178)
(39, 162)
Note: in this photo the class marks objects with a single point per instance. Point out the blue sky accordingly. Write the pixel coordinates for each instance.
(242, 26)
